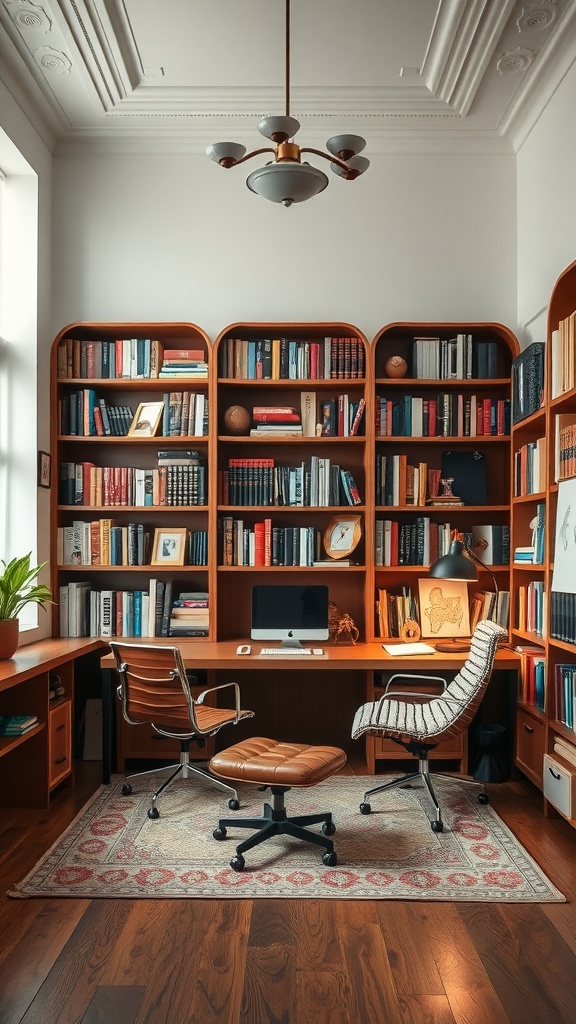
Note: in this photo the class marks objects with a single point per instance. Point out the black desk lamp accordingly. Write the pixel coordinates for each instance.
(458, 565)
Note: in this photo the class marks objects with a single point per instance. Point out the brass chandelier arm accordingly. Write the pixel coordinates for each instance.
(328, 156)
(248, 156)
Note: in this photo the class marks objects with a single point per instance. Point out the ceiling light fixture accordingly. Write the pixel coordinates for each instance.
(287, 179)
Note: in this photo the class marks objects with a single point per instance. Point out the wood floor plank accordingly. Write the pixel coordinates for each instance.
(425, 1009)
(317, 946)
(524, 998)
(270, 982)
(472, 997)
(40, 930)
(372, 994)
(69, 987)
(114, 1002)
(322, 997)
(412, 961)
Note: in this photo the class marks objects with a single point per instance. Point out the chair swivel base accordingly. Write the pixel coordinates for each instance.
(185, 768)
(275, 822)
(423, 773)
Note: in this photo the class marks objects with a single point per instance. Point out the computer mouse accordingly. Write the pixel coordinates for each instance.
(243, 649)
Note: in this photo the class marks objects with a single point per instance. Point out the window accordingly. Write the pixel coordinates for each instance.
(18, 350)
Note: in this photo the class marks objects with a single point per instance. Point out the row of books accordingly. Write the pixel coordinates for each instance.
(185, 414)
(393, 610)
(458, 358)
(447, 415)
(422, 541)
(109, 542)
(528, 381)
(170, 484)
(532, 676)
(486, 604)
(565, 694)
(565, 447)
(84, 611)
(562, 345)
(530, 468)
(340, 416)
(563, 616)
(83, 414)
(128, 358)
(17, 725)
(285, 359)
(565, 749)
(260, 482)
(398, 482)
(531, 608)
(265, 544)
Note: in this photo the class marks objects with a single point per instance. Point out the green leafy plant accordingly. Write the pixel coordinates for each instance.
(18, 587)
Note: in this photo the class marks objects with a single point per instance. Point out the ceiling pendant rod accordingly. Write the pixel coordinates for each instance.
(287, 33)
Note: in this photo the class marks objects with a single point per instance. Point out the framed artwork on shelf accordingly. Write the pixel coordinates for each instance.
(444, 609)
(342, 535)
(44, 469)
(146, 419)
(169, 547)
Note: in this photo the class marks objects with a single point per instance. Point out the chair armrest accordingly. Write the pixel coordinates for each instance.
(418, 677)
(223, 686)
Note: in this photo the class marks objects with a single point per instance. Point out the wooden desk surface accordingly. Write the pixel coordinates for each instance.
(42, 656)
(222, 655)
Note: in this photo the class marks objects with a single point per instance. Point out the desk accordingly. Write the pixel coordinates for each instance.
(359, 661)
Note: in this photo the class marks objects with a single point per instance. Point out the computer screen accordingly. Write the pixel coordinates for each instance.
(289, 614)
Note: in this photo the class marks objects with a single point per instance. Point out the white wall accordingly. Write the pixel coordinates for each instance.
(546, 206)
(175, 237)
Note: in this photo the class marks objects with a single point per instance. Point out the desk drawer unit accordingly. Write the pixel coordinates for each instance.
(560, 786)
(60, 742)
(530, 741)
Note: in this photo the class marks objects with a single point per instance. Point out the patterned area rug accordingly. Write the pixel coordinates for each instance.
(113, 849)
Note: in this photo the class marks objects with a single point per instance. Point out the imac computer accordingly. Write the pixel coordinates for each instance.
(289, 614)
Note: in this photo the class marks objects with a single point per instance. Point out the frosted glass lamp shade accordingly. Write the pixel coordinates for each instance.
(279, 129)
(287, 183)
(225, 153)
(345, 146)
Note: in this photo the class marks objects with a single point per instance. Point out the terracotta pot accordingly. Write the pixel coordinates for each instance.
(9, 635)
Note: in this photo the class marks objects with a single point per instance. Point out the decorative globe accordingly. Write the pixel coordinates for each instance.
(237, 420)
(395, 366)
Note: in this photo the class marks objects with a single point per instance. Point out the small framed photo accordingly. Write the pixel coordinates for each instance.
(342, 535)
(169, 547)
(146, 420)
(44, 469)
(444, 608)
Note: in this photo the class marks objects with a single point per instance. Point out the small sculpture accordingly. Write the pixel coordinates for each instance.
(346, 630)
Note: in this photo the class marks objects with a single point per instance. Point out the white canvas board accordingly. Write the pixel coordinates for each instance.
(564, 575)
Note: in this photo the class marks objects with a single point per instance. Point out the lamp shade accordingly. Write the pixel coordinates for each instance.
(287, 183)
(455, 565)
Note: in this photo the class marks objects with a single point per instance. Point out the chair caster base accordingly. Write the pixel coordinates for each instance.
(234, 804)
(153, 813)
(126, 789)
(365, 808)
(437, 826)
(238, 863)
(483, 798)
(328, 828)
(219, 833)
(330, 859)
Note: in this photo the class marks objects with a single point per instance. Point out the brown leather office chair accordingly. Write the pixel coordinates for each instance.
(155, 689)
(419, 722)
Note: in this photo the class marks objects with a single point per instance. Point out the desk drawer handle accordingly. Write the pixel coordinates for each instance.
(555, 775)
(60, 760)
(528, 728)
(60, 727)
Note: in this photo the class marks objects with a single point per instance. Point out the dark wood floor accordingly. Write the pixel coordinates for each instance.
(286, 961)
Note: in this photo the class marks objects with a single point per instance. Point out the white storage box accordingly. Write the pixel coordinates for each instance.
(559, 785)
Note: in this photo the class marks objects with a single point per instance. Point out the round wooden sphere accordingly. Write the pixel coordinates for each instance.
(237, 420)
(395, 366)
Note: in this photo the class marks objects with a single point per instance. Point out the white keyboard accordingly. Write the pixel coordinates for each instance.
(290, 651)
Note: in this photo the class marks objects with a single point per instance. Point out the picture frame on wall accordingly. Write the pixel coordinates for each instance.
(444, 608)
(169, 546)
(44, 469)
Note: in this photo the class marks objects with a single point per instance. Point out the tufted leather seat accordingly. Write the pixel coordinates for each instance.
(280, 766)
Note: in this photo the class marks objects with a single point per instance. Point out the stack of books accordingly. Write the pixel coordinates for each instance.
(17, 725)
(184, 362)
(189, 616)
(276, 421)
(524, 554)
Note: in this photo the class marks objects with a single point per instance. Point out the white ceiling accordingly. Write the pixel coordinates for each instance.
(437, 71)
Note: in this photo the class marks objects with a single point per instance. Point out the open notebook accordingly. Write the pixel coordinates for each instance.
(415, 648)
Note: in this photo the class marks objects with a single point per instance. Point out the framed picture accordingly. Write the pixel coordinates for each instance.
(342, 535)
(444, 609)
(169, 547)
(146, 419)
(44, 469)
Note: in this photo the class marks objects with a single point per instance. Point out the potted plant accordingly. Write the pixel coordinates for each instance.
(17, 589)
